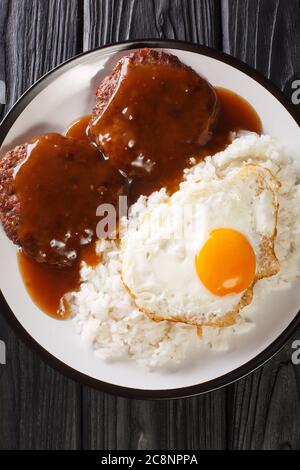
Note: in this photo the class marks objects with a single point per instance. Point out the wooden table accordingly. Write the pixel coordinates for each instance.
(39, 407)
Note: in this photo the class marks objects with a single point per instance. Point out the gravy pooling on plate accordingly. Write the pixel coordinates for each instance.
(59, 187)
(64, 179)
(79, 128)
(47, 285)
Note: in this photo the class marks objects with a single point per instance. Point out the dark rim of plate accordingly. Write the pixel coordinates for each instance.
(204, 387)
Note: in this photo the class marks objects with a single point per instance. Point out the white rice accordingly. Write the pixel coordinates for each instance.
(105, 315)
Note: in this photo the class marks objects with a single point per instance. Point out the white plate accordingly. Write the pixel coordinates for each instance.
(56, 100)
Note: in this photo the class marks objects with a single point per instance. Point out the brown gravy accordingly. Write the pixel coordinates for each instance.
(60, 185)
(158, 117)
(79, 128)
(47, 284)
(235, 114)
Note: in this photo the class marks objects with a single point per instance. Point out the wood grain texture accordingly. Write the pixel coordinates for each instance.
(115, 423)
(107, 21)
(266, 35)
(264, 409)
(39, 34)
(3, 12)
(39, 408)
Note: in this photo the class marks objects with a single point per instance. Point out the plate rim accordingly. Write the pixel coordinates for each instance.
(129, 392)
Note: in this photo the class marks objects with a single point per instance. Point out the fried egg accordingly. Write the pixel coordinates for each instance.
(196, 257)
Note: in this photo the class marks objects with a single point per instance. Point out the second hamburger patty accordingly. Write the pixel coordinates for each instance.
(152, 111)
(50, 189)
(9, 202)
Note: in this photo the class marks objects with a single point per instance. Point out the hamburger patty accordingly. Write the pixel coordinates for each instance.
(110, 83)
(9, 203)
(50, 190)
(152, 112)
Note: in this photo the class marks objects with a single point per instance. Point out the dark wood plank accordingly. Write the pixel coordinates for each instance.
(266, 35)
(107, 21)
(39, 35)
(39, 408)
(3, 10)
(116, 423)
(264, 409)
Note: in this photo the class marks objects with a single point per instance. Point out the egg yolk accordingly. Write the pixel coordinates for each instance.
(226, 263)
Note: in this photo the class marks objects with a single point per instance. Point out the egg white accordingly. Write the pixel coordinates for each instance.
(158, 255)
